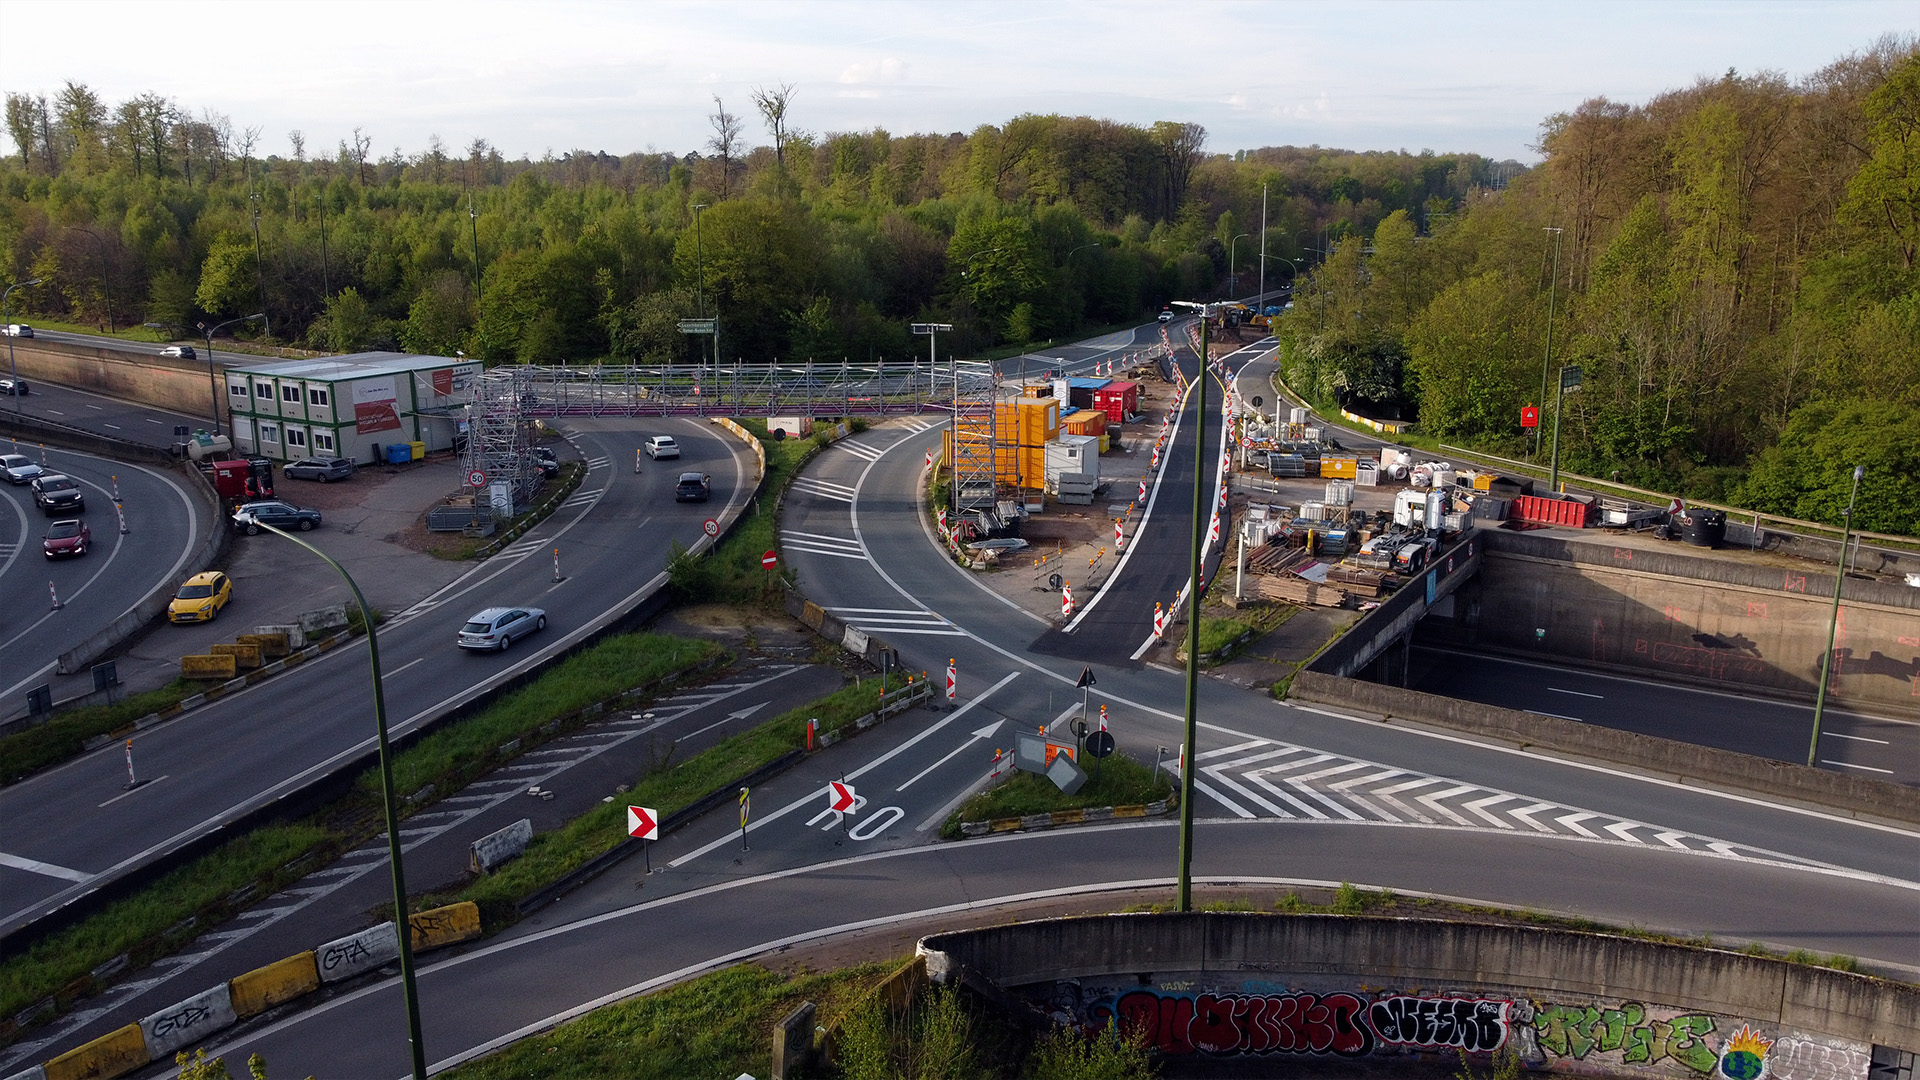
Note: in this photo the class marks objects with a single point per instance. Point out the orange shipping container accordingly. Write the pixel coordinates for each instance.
(1085, 422)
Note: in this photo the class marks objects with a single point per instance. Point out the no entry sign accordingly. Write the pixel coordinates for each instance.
(642, 824)
(769, 559)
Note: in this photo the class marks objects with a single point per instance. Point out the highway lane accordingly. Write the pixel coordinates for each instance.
(166, 525)
(1876, 746)
(102, 415)
(65, 830)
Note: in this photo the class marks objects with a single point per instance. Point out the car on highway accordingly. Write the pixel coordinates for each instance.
(1166, 314)
(494, 629)
(184, 352)
(13, 387)
(19, 468)
(249, 517)
(19, 329)
(661, 447)
(200, 598)
(324, 469)
(546, 461)
(693, 487)
(56, 493)
(69, 536)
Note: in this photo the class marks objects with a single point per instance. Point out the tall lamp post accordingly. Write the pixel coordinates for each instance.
(1233, 277)
(106, 286)
(1833, 620)
(212, 385)
(1196, 559)
(700, 282)
(403, 927)
(1553, 282)
(1569, 381)
(1263, 244)
(6, 321)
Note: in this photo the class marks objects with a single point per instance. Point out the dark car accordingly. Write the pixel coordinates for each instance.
(13, 387)
(324, 469)
(277, 514)
(67, 537)
(545, 461)
(57, 494)
(693, 487)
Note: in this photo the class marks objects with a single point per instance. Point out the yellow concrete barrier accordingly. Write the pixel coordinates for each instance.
(274, 644)
(208, 667)
(114, 1054)
(281, 981)
(813, 615)
(444, 925)
(245, 656)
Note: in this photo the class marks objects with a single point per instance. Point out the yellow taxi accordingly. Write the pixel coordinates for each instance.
(200, 598)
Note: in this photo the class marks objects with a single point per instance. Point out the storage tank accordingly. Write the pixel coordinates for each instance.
(1704, 528)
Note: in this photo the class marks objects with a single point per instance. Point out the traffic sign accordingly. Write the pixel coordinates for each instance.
(697, 326)
(710, 527)
(476, 478)
(1100, 744)
(642, 824)
(1529, 416)
(840, 796)
(769, 559)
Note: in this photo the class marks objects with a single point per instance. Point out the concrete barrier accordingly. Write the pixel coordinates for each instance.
(209, 667)
(187, 1022)
(315, 622)
(355, 954)
(279, 982)
(498, 847)
(1667, 758)
(246, 656)
(274, 644)
(441, 926)
(116, 1053)
(296, 637)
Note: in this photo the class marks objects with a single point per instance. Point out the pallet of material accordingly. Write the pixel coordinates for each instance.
(1274, 558)
(1358, 581)
(1295, 590)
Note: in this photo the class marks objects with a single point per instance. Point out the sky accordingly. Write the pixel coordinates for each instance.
(534, 78)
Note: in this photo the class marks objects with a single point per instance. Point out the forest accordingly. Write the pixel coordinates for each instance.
(1730, 265)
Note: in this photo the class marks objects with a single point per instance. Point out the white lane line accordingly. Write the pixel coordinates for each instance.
(1202, 786)
(817, 536)
(1555, 715)
(35, 866)
(1856, 738)
(1851, 765)
(133, 791)
(929, 632)
(1204, 755)
(1578, 693)
(811, 550)
(405, 666)
(983, 733)
(878, 611)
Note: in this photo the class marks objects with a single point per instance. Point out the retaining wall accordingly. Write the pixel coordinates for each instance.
(166, 382)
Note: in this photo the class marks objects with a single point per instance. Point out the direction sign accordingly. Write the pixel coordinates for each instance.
(769, 559)
(697, 326)
(476, 478)
(642, 824)
(710, 527)
(840, 796)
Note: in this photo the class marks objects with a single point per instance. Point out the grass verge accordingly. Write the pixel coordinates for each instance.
(63, 736)
(731, 573)
(1113, 781)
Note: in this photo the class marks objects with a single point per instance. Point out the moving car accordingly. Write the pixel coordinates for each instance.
(184, 352)
(545, 460)
(55, 493)
(19, 468)
(277, 514)
(1166, 314)
(662, 446)
(693, 487)
(324, 469)
(201, 598)
(11, 387)
(67, 537)
(19, 329)
(496, 627)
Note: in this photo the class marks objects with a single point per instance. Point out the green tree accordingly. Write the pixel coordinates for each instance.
(1884, 195)
(1809, 472)
(440, 318)
(227, 285)
(349, 324)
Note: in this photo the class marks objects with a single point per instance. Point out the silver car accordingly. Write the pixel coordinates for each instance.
(495, 628)
(19, 468)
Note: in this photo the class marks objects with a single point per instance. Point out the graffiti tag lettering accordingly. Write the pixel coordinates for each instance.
(1475, 1025)
(180, 1021)
(1578, 1030)
(1343, 1025)
(345, 952)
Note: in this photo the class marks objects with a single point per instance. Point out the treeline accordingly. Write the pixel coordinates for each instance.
(1731, 266)
(806, 246)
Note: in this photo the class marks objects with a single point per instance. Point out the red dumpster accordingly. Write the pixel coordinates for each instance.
(1539, 510)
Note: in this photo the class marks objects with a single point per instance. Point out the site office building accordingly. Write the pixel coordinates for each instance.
(346, 406)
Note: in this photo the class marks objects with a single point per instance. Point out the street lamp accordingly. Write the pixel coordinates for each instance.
(1184, 898)
(1569, 381)
(106, 287)
(6, 319)
(700, 282)
(1833, 620)
(1553, 283)
(1233, 279)
(213, 386)
(259, 289)
(1263, 242)
(403, 927)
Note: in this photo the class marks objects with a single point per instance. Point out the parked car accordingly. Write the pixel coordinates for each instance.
(200, 598)
(277, 514)
(12, 387)
(66, 537)
(19, 329)
(660, 447)
(693, 487)
(545, 460)
(324, 469)
(55, 493)
(1166, 314)
(496, 627)
(184, 352)
(19, 468)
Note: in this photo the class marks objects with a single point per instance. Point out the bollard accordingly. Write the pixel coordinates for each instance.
(1066, 600)
(57, 605)
(952, 694)
(120, 515)
(556, 564)
(116, 489)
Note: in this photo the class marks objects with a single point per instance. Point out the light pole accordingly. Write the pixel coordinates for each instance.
(1833, 620)
(1233, 279)
(1263, 243)
(259, 289)
(1196, 558)
(473, 223)
(933, 360)
(212, 385)
(1553, 283)
(403, 927)
(6, 320)
(106, 287)
(1569, 380)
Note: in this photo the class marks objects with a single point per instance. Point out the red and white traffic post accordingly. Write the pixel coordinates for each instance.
(1159, 621)
(841, 800)
(644, 825)
(952, 693)
(1119, 538)
(1066, 599)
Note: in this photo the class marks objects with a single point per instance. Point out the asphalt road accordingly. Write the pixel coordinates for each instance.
(64, 831)
(98, 413)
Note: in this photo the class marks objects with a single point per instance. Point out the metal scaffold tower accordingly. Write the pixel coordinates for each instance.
(497, 437)
(975, 476)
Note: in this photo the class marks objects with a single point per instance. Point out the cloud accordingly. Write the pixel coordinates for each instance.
(888, 70)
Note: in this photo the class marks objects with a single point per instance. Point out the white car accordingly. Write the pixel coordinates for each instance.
(19, 329)
(493, 629)
(183, 352)
(20, 468)
(1166, 314)
(660, 447)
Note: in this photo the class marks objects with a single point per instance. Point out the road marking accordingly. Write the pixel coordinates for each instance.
(824, 490)
(1578, 693)
(862, 450)
(142, 787)
(1850, 765)
(37, 867)
(405, 666)
(115, 427)
(151, 420)
(979, 734)
(1856, 738)
(1555, 715)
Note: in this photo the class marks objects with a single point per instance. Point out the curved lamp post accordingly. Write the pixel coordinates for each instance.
(1233, 279)
(6, 322)
(213, 386)
(1183, 900)
(402, 927)
(1833, 621)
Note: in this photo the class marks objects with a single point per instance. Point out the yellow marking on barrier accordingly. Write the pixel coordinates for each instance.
(444, 925)
(270, 644)
(1130, 811)
(116, 1053)
(1068, 817)
(208, 667)
(244, 655)
(281, 981)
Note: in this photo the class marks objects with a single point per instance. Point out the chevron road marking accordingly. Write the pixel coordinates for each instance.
(862, 450)
(824, 490)
(1479, 806)
(1572, 821)
(1526, 815)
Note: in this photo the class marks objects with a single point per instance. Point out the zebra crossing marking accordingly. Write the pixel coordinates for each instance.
(840, 547)
(824, 490)
(862, 450)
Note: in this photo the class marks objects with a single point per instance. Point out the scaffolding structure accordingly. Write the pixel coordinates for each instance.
(975, 393)
(498, 443)
(809, 389)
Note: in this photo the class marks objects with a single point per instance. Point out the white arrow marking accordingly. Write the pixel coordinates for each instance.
(982, 733)
(741, 714)
(1624, 830)
(1572, 821)
(1671, 839)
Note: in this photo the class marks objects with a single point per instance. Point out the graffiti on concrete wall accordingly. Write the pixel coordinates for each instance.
(1628, 1032)
(1338, 1024)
